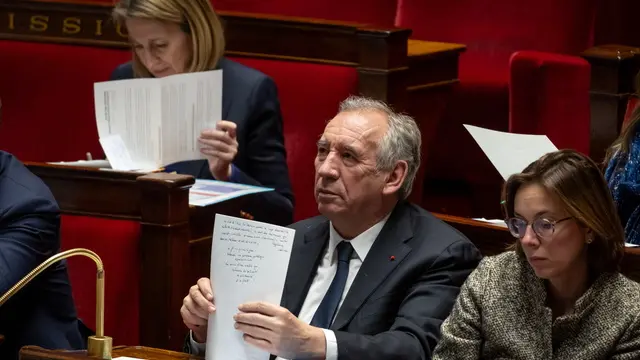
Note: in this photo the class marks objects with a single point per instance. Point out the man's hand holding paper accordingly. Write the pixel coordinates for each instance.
(220, 146)
(249, 262)
(266, 326)
(276, 330)
(196, 308)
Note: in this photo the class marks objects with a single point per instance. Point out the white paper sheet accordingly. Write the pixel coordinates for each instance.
(159, 119)
(249, 262)
(131, 109)
(510, 153)
(497, 222)
(85, 163)
(117, 152)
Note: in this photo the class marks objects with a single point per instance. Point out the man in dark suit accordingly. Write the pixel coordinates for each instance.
(374, 277)
(43, 312)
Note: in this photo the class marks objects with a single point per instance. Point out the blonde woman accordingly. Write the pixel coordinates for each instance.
(559, 295)
(180, 36)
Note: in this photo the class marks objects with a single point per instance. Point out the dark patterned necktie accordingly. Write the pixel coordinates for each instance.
(327, 309)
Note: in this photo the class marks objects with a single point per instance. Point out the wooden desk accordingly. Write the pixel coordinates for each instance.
(140, 352)
(489, 238)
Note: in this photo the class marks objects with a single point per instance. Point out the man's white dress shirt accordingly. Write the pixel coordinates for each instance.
(323, 278)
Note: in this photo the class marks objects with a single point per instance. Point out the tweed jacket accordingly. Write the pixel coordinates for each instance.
(501, 314)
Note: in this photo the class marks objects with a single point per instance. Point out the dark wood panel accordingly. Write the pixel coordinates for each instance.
(60, 22)
(433, 64)
(252, 35)
(489, 238)
(613, 73)
(93, 192)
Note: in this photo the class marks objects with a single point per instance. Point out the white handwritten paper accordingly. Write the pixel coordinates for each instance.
(249, 262)
(508, 152)
(159, 119)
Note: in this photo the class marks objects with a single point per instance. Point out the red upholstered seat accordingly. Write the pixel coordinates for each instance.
(549, 95)
(309, 97)
(377, 12)
(47, 96)
(117, 242)
(493, 31)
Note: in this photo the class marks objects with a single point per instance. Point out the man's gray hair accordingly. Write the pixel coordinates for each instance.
(402, 141)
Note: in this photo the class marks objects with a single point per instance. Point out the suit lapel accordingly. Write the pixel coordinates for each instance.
(388, 250)
(305, 256)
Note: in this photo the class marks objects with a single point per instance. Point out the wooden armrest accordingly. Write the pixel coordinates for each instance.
(418, 48)
(432, 64)
(613, 74)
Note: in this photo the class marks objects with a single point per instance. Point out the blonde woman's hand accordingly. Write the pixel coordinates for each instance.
(220, 146)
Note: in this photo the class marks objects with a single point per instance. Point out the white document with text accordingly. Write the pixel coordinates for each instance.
(249, 262)
(147, 123)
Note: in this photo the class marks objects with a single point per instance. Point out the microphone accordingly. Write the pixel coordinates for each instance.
(98, 346)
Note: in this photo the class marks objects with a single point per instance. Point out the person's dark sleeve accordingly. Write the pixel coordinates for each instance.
(29, 234)
(416, 329)
(122, 72)
(267, 159)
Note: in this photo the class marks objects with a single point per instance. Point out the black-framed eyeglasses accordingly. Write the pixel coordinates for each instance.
(542, 227)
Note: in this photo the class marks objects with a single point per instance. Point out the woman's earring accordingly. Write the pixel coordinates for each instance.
(589, 238)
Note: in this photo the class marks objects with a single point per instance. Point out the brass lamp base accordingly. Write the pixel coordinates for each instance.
(99, 347)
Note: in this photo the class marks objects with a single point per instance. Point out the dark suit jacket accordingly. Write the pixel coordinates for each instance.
(42, 313)
(249, 99)
(405, 289)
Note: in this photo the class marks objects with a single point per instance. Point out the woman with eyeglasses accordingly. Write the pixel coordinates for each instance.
(559, 294)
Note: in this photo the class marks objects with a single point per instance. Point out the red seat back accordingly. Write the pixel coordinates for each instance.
(47, 96)
(117, 242)
(493, 30)
(549, 95)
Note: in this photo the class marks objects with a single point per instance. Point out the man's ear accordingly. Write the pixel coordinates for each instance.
(396, 178)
